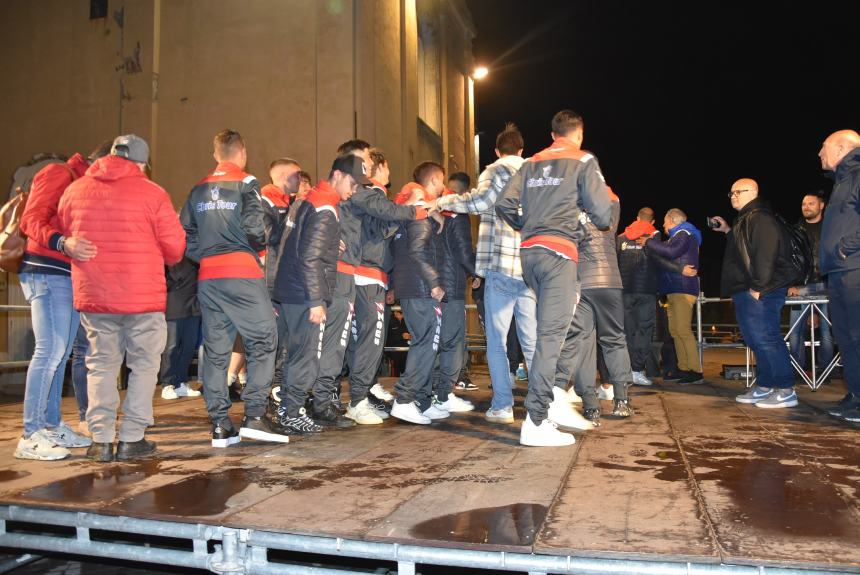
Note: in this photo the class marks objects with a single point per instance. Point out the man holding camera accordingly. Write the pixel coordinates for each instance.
(756, 273)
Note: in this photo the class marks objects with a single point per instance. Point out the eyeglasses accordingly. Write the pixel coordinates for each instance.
(734, 193)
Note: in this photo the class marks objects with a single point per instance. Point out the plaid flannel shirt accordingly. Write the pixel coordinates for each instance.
(498, 247)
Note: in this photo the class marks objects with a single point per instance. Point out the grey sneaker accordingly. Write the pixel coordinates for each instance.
(779, 398)
(754, 395)
(65, 436)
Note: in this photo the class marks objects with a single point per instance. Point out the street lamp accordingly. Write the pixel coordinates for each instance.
(480, 73)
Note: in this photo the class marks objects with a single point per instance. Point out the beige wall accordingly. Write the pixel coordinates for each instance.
(295, 77)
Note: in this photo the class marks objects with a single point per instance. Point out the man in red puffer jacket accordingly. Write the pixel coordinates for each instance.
(121, 292)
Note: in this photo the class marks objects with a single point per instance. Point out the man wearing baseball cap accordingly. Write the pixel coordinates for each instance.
(306, 288)
(122, 306)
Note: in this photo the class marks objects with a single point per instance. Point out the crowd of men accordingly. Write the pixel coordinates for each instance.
(298, 278)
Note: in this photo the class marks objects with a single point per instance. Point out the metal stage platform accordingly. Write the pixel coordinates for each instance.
(694, 483)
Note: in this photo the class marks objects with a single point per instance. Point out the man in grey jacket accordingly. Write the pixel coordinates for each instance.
(543, 200)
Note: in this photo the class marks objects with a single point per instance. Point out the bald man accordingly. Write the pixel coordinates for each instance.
(839, 259)
(757, 272)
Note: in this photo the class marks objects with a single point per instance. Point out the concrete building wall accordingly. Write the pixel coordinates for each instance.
(295, 77)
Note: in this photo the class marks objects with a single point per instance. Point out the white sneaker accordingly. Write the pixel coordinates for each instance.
(409, 412)
(454, 404)
(168, 392)
(562, 413)
(572, 396)
(435, 411)
(606, 393)
(504, 415)
(380, 392)
(40, 446)
(544, 435)
(639, 378)
(65, 436)
(184, 391)
(363, 413)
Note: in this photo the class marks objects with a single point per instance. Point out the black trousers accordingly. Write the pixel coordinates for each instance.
(367, 342)
(423, 318)
(640, 315)
(338, 325)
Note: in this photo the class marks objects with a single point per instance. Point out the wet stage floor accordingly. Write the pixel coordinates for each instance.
(693, 475)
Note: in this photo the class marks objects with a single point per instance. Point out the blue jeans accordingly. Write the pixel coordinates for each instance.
(799, 335)
(182, 335)
(759, 323)
(55, 323)
(79, 371)
(504, 298)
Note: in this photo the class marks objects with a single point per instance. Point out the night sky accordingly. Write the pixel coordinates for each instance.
(679, 99)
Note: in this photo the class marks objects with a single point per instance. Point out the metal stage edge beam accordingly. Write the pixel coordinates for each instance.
(245, 551)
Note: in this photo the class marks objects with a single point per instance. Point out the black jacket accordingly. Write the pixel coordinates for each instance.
(458, 257)
(813, 232)
(598, 265)
(224, 214)
(308, 265)
(378, 216)
(417, 259)
(181, 290)
(638, 270)
(840, 235)
(757, 233)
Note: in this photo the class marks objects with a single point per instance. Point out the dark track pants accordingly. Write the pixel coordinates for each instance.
(367, 342)
(338, 326)
(844, 291)
(281, 350)
(640, 315)
(229, 305)
(423, 318)
(599, 320)
(304, 348)
(451, 347)
(553, 279)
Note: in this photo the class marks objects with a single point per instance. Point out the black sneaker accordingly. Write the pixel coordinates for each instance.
(335, 401)
(223, 436)
(102, 452)
(275, 395)
(674, 375)
(465, 384)
(331, 417)
(691, 378)
(592, 415)
(262, 429)
(852, 415)
(622, 408)
(128, 450)
(378, 403)
(301, 424)
(847, 403)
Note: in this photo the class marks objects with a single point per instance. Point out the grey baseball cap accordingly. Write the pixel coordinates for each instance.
(131, 147)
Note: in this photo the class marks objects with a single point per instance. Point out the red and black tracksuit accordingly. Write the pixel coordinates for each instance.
(224, 222)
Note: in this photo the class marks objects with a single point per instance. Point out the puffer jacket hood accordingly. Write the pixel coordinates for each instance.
(638, 229)
(694, 231)
(111, 168)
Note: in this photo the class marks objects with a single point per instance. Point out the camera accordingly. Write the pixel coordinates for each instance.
(712, 223)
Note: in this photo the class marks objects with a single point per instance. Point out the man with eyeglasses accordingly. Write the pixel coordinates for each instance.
(756, 273)
(839, 259)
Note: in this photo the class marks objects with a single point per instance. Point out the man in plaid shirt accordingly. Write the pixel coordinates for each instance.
(498, 262)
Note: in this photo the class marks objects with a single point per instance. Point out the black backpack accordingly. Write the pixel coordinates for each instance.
(802, 258)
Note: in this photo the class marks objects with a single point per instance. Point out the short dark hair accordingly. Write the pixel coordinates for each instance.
(646, 214)
(510, 140)
(461, 177)
(283, 162)
(101, 151)
(377, 158)
(425, 170)
(227, 143)
(306, 176)
(351, 146)
(565, 122)
(815, 193)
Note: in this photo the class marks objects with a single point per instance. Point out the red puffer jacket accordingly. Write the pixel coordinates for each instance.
(132, 222)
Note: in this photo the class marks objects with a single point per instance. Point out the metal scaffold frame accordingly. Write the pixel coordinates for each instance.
(246, 551)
